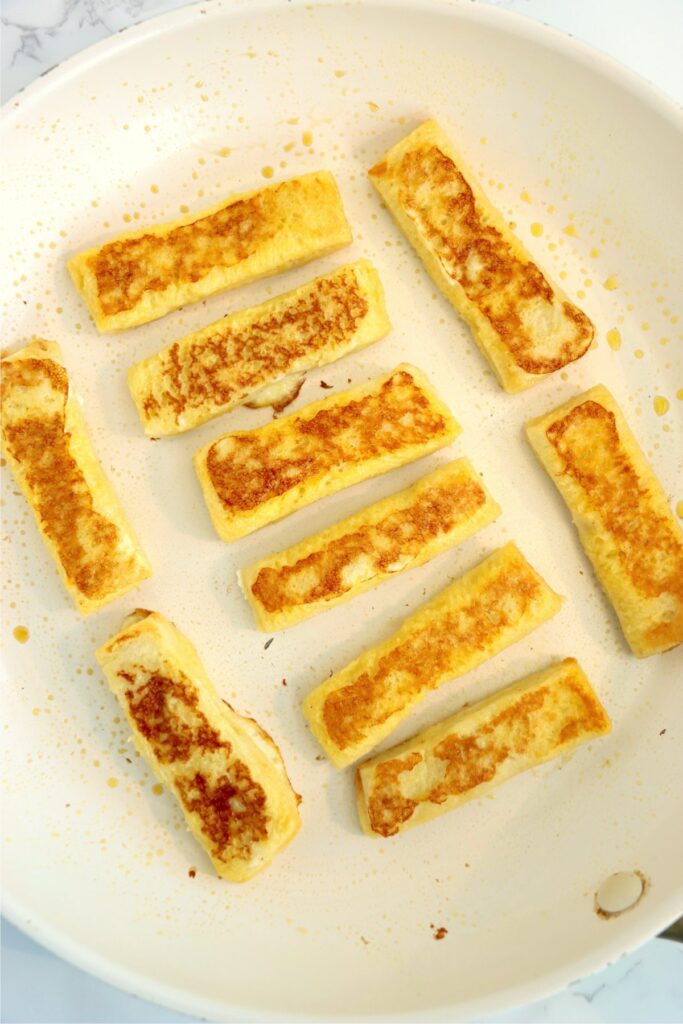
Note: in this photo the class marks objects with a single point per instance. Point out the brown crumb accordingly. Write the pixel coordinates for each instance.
(662, 731)
(366, 942)
(440, 933)
(324, 384)
(192, 872)
(268, 643)
(284, 682)
(320, 757)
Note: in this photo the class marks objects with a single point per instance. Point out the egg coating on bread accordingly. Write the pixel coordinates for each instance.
(225, 771)
(143, 275)
(253, 477)
(543, 716)
(227, 363)
(47, 445)
(495, 604)
(396, 534)
(525, 326)
(621, 512)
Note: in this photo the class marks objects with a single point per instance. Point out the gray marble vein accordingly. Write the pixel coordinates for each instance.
(39, 34)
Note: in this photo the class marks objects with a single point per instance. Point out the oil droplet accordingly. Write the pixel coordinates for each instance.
(293, 120)
(339, 73)
(536, 230)
(21, 634)
(267, 172)
(570, 230)
(157, 788)
(611, 283)
(184, 208)
(36, 711)
(679, 394)
(679, 510)
(663, 341)
(112, 783)
(154, 188)
(373, 106)
(639, 353)
(595, 253)
(661, 405)
(225, 151)
(525, 197)
(307, 138)
(614, 339)
(127, 217)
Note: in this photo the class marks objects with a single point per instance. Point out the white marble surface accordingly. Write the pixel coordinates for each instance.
(646, 986)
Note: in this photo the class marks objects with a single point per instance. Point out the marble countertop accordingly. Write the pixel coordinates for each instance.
(645, 986)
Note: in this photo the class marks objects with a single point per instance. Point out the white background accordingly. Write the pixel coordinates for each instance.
(647, 36)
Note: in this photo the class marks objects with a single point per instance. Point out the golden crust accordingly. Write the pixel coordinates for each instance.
(524, 325)
(399, 533)
(463, 757)
(251, 478)
(49, 451)
(143, 275)
(620, 510)
(225, 771)
(492, 606)
(213, 370)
